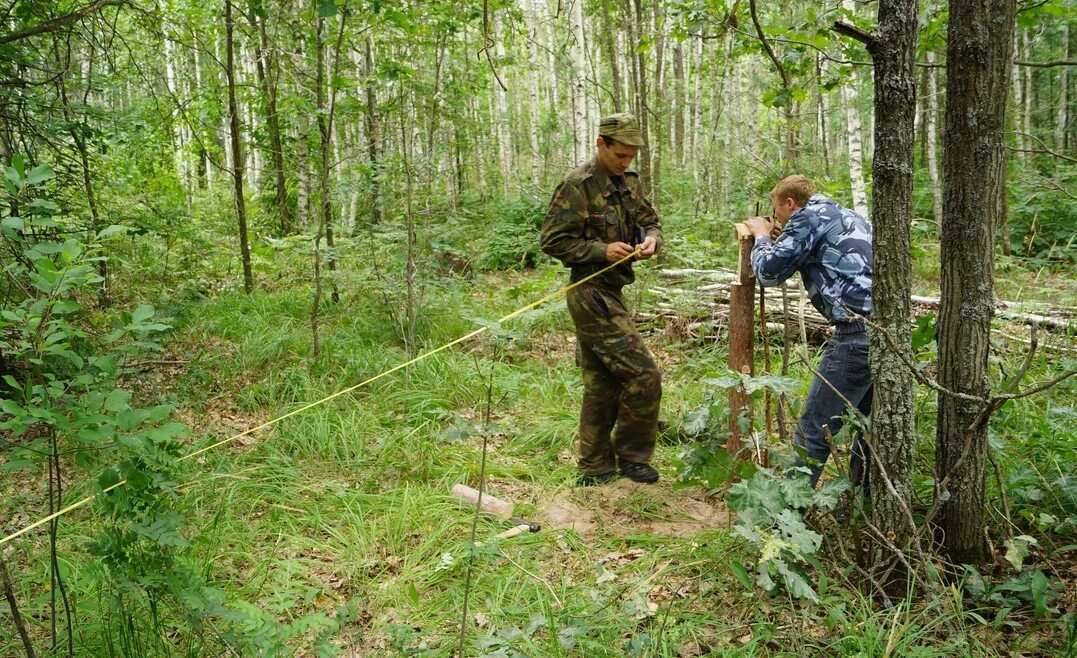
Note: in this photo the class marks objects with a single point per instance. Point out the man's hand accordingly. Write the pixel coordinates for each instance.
(646, 250)
(760, 226)
(615, 251)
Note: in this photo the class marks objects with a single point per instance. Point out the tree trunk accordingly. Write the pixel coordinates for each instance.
(695, 151)
(822, 110)
(932, 138)
(641, 99)
(659, 104)
(325, 108)
(503, 120)
(788, 106)
(204, 165)
(267, 76)
(1018, 101)
(580, 149)
(1026, 114)
(552, 49)
(170, 84)
(373, 135)
(1063, 92)
(78, 135)
(893, 426)
(13, 605)
(236, 151)
(533, 108)
(679, 112)
(979, 53)
(608, 31)
(893, 429)
(302, 165)
(854, 139)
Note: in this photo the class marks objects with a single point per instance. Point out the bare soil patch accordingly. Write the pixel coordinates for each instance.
(628, 508)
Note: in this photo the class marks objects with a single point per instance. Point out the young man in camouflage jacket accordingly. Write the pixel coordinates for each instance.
(593, 220)
(831, 248)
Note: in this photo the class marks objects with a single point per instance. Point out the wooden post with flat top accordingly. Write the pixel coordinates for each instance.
(741, 336)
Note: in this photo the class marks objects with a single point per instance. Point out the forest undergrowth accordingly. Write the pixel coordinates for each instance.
(333, 532)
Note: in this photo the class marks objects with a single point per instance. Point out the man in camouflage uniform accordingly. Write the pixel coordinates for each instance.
(831, 248)
(598, 216)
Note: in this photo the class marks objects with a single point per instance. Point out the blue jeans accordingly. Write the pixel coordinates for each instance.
(845, 367)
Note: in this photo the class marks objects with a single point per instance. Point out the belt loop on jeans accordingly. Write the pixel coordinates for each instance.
(853, 327)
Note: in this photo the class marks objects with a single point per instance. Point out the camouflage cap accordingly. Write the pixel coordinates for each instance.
(622, 127)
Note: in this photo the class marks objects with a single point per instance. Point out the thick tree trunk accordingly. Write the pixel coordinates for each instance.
(236, 152)
(893, 429)
(893, 426)
(979, 53)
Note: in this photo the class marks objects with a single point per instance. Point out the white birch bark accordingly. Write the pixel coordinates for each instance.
(853, 139)
(302, 166)
(1026, 116)
(1063, 92)
(178, 149)
(697, 108)
(930, 125)
(226, 129)
(502, 122)
(1018, 100)
(198, 85)
(579, 97)
(551, 49)
(254, 154)
(823, 111)
(533, 109)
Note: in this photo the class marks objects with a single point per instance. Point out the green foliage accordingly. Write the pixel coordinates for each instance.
(1027, 587)
(1041, 225)
(502, 235)
(705, 460)
(1046, 504)
(770, 507)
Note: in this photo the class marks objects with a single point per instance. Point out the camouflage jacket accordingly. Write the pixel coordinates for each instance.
(591, 209)
(831, 247)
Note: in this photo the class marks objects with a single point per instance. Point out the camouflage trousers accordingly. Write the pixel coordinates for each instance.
(622, 386)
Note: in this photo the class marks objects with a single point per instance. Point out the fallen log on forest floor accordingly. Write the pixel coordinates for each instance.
(697, 300)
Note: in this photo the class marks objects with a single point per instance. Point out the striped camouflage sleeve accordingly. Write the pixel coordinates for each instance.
(774, 262)
(563, 235)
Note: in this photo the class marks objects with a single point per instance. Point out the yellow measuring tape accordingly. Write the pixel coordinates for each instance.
(300, 410)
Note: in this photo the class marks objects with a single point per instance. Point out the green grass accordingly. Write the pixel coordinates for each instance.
(348, 502)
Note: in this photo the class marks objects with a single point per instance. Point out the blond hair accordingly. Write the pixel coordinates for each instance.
(798, 188)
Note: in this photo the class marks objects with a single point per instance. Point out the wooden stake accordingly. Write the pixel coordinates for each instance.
(741, 335)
